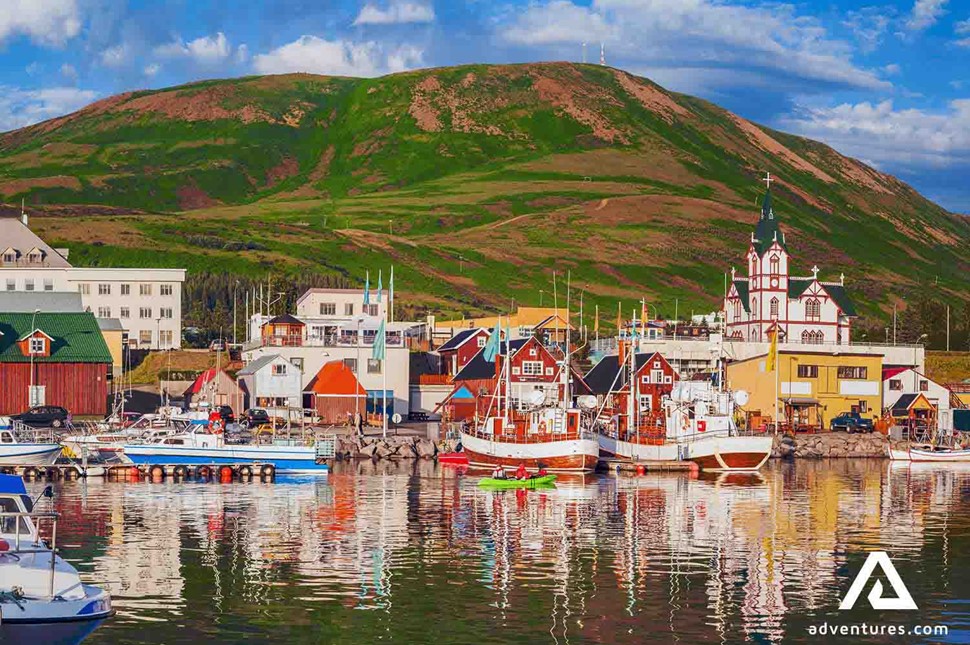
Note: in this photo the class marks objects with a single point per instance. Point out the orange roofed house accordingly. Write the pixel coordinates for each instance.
(336, 393)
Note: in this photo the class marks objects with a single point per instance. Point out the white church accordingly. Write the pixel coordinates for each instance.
(802, 309)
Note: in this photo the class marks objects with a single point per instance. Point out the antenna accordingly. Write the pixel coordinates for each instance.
(602, 54)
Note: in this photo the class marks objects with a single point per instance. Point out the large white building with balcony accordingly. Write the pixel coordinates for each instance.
(148, 302)
(336, 324)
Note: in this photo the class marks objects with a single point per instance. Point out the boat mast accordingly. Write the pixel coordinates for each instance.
(567, 395)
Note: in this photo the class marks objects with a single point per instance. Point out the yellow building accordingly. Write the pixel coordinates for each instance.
(115, 337)
(523, 322)
(813, 387)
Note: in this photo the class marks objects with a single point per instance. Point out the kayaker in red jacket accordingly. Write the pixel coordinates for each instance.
(521, 472)
(542, 471)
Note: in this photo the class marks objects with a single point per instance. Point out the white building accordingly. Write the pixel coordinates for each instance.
(900, 381)
(345, 330)
(148, 302)
(272, 382)
(803, 309)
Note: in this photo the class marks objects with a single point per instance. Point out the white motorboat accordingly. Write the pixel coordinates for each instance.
(42, 598)
(930, 454)
(15, 451)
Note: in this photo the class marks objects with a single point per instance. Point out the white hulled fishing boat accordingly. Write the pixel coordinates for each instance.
(16, 448)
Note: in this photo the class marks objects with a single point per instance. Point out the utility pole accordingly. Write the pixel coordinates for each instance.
(894, 324)
(948, 328)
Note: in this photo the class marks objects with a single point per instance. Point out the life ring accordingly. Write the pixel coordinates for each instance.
(216, 427)
(702, 426)
(542, 427)
(268, 471)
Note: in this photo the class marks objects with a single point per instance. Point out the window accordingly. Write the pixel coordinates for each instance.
(351, 363)
(126, 289)
(863, 407)
(165, 337)
(84, 288)
(737, 310)
(125, 313)
(297, 363)
(9, 258)
(104, 289)
(11, 284)
(895, 384)
(145, 289)
(481, 341)
(373, 366)
(370, 310)
(165, 312)
(165, 289)
(145, 312)
(145, 337)
(532, 368)
(646, 402)
(657, 376)
(104, 312)
(279, 369)
(813, 337)
(48, 284)
(924, 386)
(851, 372)
(813, 309)
(29, 284)
(774, 307)
(775, 265)
(548, 371)
(328, 309)
(37, 345)
(808, 371)
(348, 309)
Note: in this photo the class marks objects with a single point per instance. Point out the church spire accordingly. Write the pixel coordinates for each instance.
(766, 232)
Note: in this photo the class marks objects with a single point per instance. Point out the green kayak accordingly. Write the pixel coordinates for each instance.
(546, 481)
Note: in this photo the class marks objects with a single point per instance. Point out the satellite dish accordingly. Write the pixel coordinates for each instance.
(535, 398)
(741, 398)
(396, 418)
(586, 402)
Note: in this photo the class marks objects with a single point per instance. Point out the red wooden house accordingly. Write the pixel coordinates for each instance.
(283, 331)
(461, 348)
(53, 359)
(337, 394)
(655, 379)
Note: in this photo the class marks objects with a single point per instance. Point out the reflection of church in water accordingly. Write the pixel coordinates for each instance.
(803, 309)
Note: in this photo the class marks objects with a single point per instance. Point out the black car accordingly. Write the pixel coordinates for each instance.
(255, 417)
(44, 416)
(852, 422)
(226, 414)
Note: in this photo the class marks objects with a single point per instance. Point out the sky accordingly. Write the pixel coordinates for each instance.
(887, 81)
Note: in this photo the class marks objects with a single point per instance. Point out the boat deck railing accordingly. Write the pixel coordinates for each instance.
(531, 437)
(18, 548)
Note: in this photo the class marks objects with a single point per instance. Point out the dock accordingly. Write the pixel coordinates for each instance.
(639, 468)
(224, 473)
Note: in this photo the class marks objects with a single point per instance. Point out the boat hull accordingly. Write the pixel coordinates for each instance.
(710, 453)
(284, 459)
(917, 455)
(569, 455)
(29, 454)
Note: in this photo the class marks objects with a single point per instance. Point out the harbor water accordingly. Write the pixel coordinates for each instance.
(418, 553)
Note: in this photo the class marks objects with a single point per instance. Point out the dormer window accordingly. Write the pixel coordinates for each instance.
(38, 345)
(35, 256)
(9, 256)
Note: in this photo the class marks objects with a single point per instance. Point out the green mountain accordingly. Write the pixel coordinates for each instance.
(476, 182)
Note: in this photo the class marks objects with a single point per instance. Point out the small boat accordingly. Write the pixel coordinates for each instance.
(546, 481)
(929, 453)
(453, 458)
(17, 452)
(42, 598)
(205, 448)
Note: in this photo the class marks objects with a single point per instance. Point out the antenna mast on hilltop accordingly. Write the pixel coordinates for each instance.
(603, 54)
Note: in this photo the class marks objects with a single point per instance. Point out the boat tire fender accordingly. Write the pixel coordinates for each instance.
(204, 473)
(245, 472)
(268, 471)
(30, 473)
(180, 472)
(156, 472)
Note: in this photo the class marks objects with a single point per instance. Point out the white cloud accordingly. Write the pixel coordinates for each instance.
(892, 69)
(396, 13)
(884, 134)
(69, 72)
(925, 14)
(117, 56)
(152, 70)
(20, 107)
(46, 22)
(703, 35)
(337, 57)
(34, 69)
(205, 51)
(868, 25)
(962, 27)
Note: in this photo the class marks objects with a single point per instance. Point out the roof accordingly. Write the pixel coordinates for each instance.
(797, 286)
(890, 372)
(743, 294)
(461, 338)
(907, 401)
(25, 302)
(601, 377)
(767, 232)
(207, 377)
(523, 317)
(110, 324)
(554, 321)
(285, 319)
(16, 235)
(258, 364)
(478, 368)
(335, 379)
(462, 393)
(76, 337)
(841, 298)
(12, 485)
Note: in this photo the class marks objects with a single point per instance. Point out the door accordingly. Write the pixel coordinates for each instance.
(38, 395)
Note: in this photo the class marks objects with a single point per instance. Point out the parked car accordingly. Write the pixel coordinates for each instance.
(218, 345)
(255, 417)
(226, 414)
(852, 422)
(44, 416)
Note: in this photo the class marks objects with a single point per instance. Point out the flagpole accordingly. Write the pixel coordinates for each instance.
(384, 375)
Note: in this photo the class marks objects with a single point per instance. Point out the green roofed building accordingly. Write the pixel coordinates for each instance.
(53, 359)
(769, 299)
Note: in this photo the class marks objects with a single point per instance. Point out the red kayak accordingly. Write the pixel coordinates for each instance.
(453, 458)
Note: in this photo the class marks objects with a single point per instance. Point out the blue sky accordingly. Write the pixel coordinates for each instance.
(887, 82)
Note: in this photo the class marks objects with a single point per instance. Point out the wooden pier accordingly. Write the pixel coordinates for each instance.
(224, 473)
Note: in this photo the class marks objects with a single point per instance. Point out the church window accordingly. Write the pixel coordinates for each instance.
(774, 307)
(737, 310)
(775, 265)
(813, 309)
(754, 308)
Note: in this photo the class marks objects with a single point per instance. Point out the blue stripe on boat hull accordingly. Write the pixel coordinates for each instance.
(282, 465)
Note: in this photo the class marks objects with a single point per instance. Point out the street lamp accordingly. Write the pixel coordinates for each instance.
(234, 289)
(158, 333)
(30, 388)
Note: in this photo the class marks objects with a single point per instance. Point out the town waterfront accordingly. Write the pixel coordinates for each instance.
(415, 553)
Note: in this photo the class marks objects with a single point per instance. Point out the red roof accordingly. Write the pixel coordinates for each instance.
(889, 372)
(336, 379)
(201, 381)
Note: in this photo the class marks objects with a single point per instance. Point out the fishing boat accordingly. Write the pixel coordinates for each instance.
(42, 598)
(17, 450)
(695, 423)
(941, 446)
(106, 441)
(198, 448)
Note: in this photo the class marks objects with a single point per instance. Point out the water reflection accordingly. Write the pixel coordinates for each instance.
(418, 554)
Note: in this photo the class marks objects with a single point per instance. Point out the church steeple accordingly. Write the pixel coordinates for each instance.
(767, 232)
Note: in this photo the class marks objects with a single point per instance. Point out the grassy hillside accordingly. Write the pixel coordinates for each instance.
(476, 182)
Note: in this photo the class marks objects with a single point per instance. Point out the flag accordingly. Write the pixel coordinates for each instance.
(380, 344)
(367, 289)
(380, 283)
(493, 344)
(596, 321)
(773, 352)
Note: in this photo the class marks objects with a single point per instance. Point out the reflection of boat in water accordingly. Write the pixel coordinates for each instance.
(17, 450)
(942, 447)
(42, 598)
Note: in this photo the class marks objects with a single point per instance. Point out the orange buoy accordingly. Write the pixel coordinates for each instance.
(225, 475)
(640, 469)
(134, 474)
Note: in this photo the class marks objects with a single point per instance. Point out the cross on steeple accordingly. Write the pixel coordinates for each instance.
(767, 179)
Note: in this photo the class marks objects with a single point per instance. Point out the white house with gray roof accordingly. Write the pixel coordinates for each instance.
(272, 382)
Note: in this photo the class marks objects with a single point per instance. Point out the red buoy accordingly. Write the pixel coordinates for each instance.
(4, 546)
(640, 469)
(225, 475)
